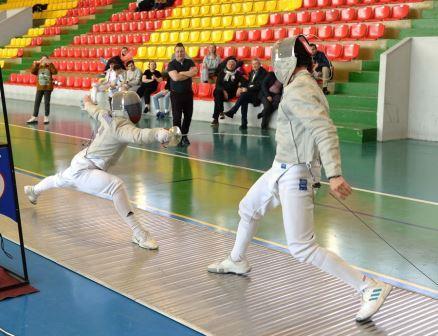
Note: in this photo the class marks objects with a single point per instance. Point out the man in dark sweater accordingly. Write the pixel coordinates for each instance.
(322, 68)
(181, 70)
(227, 83)
(270, 95)
(250, 93)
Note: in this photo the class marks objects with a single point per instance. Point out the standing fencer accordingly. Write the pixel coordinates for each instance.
(306, 138)
(88, 169)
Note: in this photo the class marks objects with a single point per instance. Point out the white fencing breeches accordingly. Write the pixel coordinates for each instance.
(83, 175)
(291, 186)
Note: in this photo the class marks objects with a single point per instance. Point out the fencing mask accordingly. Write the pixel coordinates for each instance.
(127, 104)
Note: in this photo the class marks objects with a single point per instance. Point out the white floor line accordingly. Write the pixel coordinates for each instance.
(233, 166)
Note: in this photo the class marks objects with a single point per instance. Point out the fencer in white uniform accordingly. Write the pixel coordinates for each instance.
(306, 137)
(88, 169)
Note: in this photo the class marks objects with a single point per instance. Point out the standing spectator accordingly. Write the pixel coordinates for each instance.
(322, 67)
(122, 59)
(44, 70)
(151, 78)
(132, 77)
(210, 64)
(181, 70)
(165, 96)
(270, 95)
(227, 84)
(249, 94)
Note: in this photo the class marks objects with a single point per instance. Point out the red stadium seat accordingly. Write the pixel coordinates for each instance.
(77, 84)
(352, 3)
(141, 26)
(84, 52)
(310, 32)
(309, 3)
(62, 65)
(149, 25)
(369, 2)
(334, 51)
(69, 82)
(92, 53)
(77, 53)
(85, 66)
(303, 17)
(26, 78)
(100, 67)
(77, 66)
(203, 51)
(228, 51)
(157, 25)
(351, 51)
(280, 34)
(117, 27)
(113, 39)
(137, 38)
(160, 14)
(320, 47)
(341, 32)
(115, 17)
(317, 16)
(365, 14)
(70, 65)
(325, 32)
(144, 16)
(220, 51)
(382, 13)
(107, 53)
(400, 12)
(333, 15)
(106, 39)
(338, 3)
(204, 90)
(121, 39)
(19, 79)
(376, 31)
(275, 19)
(126, 27)
(102, 28)
(348, 14)
(62, 80)
(168, 12)
(151, 15)
(122, 17)
(266, 35)
(110, 27)
(257, 52)
(100, 52)
(268, 52)
(92, 66)
(86, 83)
(241, 36)
(91, 39)
(77, 40)
(243, 52)
(254, 35)
(289, 18)
(137, 16)
(98, 39)
(132, 6)
(32, 79)
(293, 31)
(359, 31)
(57, 52)
(323, 3)
(247, 68)
(70, 52)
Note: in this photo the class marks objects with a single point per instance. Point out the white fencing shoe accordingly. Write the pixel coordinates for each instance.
(372, 299)
(144, 240)
(230, 266)
(46, 120)
(31, 194)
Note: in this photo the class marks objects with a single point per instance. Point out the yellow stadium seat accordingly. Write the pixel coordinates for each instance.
(215, 10)
(155, 38)
(185, 23)
(141, 52)
(184, 36)
(225, 9)
(186, 11)
(145, 66)
(238, 21)
(176, 24)
(205, 2)
(227, 21)
(288, 5)
(160, 53)
(262, 19)
(247, 7)
(169, 52)
(205, 36)
(151, 52)
(236, 8)
(204, 11)
(160, 66)
(195, 2)
(215, 36)
(271, 6)
(1, 53)
(194, 11)
(187, 3)
(139, 65)
(30, 32)
(193, 51)
(250, 20)
(177, 12)
(174, 37)
(206, 22)
(2, 64)
(216, 22)
(195, 23)
(167, 24)
(194, 36)
(227, 35)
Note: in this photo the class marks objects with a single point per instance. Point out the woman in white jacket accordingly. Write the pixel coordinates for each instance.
(306, 138)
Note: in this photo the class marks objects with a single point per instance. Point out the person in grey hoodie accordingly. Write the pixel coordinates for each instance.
(306, 138)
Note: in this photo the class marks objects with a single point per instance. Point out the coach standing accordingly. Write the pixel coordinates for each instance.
(181, 70)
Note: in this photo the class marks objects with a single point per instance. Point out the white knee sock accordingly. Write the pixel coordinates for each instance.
(125, 211)
(45, 184)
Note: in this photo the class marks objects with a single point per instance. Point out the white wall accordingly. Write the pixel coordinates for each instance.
(16, 23)
(408, 91)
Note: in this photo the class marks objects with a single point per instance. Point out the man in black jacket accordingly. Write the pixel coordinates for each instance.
(250, 93)
(227, 83)
(270, 95)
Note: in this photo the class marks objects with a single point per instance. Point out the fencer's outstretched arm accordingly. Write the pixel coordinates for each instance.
(128, 133)
(93, 110)
(308, 108)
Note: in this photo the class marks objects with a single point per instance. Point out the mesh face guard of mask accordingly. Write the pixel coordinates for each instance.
(127, 104)
(284, 60)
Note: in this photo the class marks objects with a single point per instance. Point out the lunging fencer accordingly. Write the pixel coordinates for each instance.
(306, 138)
(88, 169)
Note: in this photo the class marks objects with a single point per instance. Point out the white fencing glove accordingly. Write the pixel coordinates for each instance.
(162, 136)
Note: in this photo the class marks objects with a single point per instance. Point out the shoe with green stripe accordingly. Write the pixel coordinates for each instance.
(373, 298)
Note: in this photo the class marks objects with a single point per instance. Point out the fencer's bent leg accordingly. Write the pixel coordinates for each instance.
(252, 208)
(296, 197)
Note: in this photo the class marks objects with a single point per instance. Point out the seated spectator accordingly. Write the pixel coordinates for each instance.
(149, 84)
(270, 95)
(249, 93)
(145, 5)
(227, 83)
(162, 4)
(223, 65)
(210, 64)
(165, 96)
(132, 77)
(111, 83)
(322, 68)
(122, 59)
